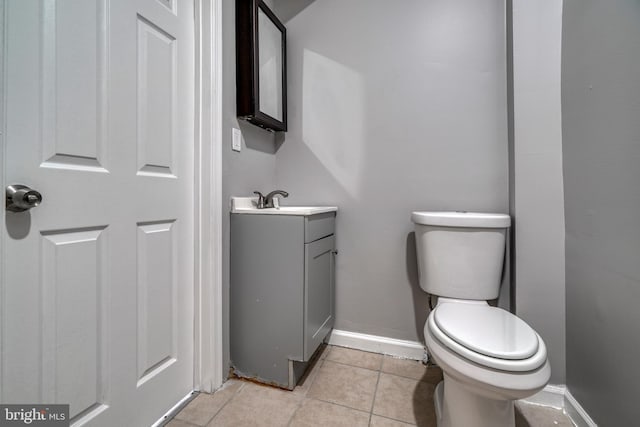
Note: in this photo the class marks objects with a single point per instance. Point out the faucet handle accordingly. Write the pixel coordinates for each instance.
(260, 199)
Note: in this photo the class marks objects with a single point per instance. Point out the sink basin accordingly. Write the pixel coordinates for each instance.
(248, 205)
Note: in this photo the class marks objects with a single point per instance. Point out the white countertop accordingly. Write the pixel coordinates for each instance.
(248, 205)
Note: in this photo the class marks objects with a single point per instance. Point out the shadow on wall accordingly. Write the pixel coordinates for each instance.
(420, 297)
(279, 138)
(254, 138)
(287, 9)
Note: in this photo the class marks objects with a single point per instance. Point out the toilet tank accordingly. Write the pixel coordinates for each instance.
(460, 254)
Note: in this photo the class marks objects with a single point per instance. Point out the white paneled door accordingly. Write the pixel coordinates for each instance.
(97, 298)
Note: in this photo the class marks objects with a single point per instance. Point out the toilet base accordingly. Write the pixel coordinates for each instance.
(456, 405)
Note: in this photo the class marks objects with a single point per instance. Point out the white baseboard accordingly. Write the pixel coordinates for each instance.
(376, 344)
(551, 395)
(576, 412)
(558, 396)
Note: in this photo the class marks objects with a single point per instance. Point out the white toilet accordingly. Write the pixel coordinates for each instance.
(489, 357)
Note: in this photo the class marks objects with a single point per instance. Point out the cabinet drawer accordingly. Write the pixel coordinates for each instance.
(319, 226)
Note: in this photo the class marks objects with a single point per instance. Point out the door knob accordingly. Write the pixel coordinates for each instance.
(20, 198)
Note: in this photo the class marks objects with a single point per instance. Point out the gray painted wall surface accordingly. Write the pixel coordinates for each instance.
(601, 151)
(393, 109)
(251, 169)
(537, 196)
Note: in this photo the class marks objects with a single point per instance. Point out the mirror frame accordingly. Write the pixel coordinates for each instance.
(247, 65)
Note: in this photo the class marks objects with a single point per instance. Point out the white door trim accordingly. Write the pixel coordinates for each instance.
(208, 370)
(3, 182)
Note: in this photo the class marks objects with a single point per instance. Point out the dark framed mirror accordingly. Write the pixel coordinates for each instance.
(261, 77)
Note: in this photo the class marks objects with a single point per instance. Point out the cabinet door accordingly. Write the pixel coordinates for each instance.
(318, 295)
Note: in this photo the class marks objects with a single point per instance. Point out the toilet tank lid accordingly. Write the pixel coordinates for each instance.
(461, 219)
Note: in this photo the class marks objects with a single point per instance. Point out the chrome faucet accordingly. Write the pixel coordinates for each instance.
(267, 201)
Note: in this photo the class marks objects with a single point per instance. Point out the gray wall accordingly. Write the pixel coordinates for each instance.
(601, 151)
(537, 196)
(393, 109)
(251, 169)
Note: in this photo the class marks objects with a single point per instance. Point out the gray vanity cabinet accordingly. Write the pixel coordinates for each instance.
(281, 293)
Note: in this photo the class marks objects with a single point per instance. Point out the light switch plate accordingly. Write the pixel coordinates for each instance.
(236, 142)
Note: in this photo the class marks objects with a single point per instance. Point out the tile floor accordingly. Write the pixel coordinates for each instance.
(343, 387)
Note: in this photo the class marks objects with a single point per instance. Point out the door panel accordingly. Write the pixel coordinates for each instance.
(156, 99)
(157, 292)
(73, 317)
(97, 298)
(74, 67)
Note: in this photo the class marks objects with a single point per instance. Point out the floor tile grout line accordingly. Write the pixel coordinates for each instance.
(382, 356)
(353, 366)
(319, 364)
(375, 393)
(182, 421)
(296, 411)
(358, 350)
(337, 404)
(393, 419)
(409, 378)
(242, 384)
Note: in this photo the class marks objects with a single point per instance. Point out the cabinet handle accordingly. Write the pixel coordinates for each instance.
(334, 252)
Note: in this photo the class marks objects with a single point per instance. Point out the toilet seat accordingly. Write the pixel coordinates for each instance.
(487, 330)
(488, 336)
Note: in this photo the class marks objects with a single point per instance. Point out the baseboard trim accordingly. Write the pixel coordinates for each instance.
(551, 395)
(559, 397)
(377, 344)
(576, 412)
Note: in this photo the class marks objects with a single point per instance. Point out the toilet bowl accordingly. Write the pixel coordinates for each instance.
(479, 389)
(489, 357)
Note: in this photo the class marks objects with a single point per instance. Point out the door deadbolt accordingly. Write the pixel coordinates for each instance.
(20, 198)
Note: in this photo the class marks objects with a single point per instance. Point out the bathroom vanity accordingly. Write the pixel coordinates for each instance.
(281, 289)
